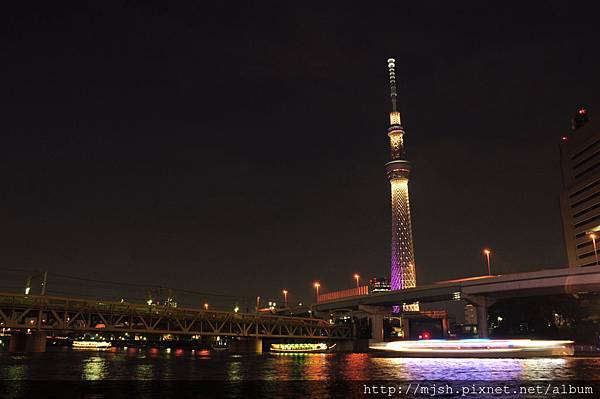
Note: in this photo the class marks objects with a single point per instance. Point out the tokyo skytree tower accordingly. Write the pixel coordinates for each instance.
(398, 170)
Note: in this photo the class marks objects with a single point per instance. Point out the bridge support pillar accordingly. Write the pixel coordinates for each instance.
(246, 345)
(356, 345)
(482, 322)
(27, 343)
(482, 304)
(376, 315)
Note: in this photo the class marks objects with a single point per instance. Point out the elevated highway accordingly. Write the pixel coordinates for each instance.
(480, 291)
(543, 282)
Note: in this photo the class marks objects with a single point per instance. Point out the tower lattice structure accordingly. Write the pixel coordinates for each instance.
(398, 170)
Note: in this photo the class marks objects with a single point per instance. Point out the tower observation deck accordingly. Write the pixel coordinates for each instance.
(398, 170)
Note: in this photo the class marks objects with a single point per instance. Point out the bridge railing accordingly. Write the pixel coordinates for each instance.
(334, 295)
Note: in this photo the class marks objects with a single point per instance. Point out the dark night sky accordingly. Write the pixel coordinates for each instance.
(241, 148)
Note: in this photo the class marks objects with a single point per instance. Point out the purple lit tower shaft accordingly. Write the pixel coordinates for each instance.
(398, 170)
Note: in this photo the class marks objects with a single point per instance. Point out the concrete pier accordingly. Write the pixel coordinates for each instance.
(27, 343)
(376, 315)
(352, 345)
(246, 345)
(482, 304)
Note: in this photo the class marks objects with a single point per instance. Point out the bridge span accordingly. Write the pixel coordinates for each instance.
(43, 314)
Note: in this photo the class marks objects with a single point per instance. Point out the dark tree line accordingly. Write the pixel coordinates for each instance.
(575, 317)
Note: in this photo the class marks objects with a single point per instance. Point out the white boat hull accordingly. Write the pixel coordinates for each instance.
(475, 348)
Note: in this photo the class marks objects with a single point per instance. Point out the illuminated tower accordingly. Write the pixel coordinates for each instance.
(398, 169)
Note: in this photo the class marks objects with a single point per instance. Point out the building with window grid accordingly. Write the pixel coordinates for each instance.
(580, 197)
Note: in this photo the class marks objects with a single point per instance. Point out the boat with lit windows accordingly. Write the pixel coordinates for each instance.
(479, 348)
(220, 345)
(91, 345)
(301, 348)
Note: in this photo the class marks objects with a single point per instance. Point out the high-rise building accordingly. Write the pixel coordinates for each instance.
(398, 170)
(580, 197)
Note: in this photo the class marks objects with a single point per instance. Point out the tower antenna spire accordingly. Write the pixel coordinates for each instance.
(393, 95)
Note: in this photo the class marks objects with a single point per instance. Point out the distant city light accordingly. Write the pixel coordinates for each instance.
(593, 236)
(487, 253)
(285, 292)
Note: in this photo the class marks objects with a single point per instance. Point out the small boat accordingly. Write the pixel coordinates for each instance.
(219, 348)
(220, 345)
(91, 344)
(301, 348)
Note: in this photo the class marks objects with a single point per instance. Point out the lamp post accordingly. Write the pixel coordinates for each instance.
(593, 236)
(28, 286)
(317, 285)
(487, 253)
(206, 306)
(285, 292)
(356, 277)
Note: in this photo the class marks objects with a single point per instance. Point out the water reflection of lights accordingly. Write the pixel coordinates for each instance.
(317, 366)
(14, 372)
(478, 348)
(143, 372)
(94, 368)
(468, 369)
(356, 366)
(449, 368)
(234, 372)
(132, 352)
(202, 354)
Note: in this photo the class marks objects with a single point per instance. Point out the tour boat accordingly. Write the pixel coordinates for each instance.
(91, 344)
(301, 348)
(480, 348)
(219, 347)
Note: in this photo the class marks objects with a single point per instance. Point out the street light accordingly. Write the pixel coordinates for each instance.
(487, 253)
(206, 306)
(236, 309)
(317, 285)
(356, 276)
(285, 292)
(593, 236)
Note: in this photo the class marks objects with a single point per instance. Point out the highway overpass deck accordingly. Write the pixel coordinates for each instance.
(542, 282)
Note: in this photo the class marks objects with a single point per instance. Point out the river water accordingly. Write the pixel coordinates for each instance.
(161, 372)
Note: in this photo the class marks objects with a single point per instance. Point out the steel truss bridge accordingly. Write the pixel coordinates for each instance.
(63, 314)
